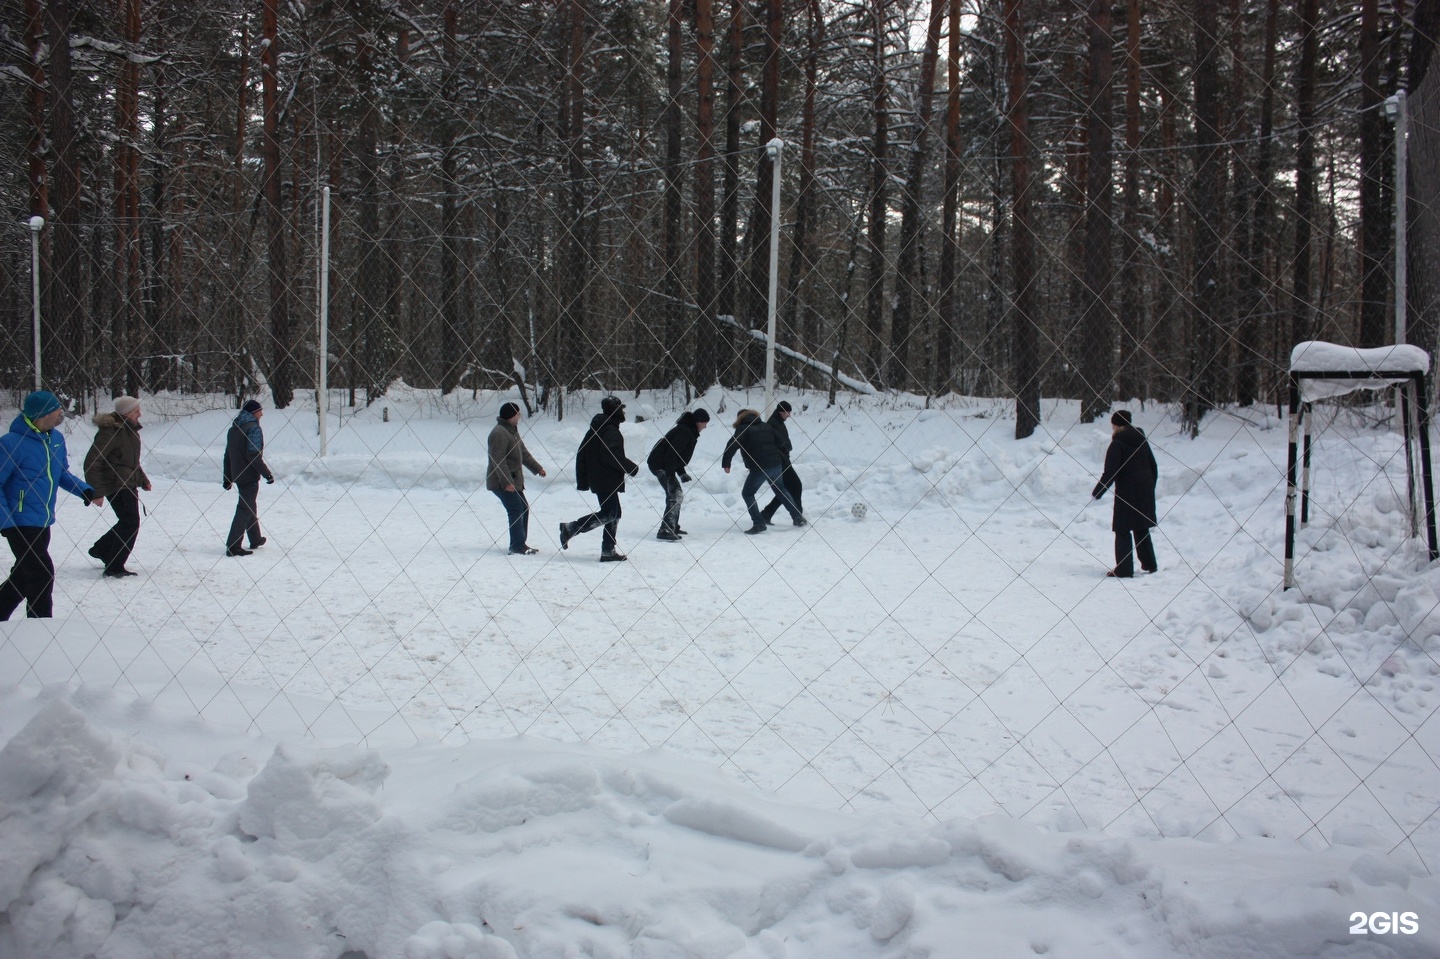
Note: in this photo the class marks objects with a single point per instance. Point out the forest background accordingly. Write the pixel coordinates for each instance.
(1068, 198)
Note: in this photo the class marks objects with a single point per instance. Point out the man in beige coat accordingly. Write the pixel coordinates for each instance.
(506, 475)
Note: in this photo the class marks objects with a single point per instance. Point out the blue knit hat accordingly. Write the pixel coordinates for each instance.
(40, 403)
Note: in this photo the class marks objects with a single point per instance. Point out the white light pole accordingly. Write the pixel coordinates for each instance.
(36, 224)
(1396, 110)
(322, 395)
(773, 149)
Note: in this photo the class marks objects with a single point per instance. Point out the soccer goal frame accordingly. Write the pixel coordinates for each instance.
(1324, 370)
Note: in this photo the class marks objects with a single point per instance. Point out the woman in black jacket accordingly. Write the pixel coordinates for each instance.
(1130, 468)
(668, 461)
(601, 467)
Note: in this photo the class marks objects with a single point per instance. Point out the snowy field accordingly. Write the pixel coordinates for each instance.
(936, 730)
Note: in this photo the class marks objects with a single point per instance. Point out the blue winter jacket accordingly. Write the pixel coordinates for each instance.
(33, 469)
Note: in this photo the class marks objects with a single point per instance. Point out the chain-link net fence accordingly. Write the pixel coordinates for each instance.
(997, 219)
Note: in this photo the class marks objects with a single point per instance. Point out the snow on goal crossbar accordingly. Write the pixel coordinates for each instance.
(1324, 370)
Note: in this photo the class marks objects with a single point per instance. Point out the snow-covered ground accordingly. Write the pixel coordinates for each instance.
(936, 730)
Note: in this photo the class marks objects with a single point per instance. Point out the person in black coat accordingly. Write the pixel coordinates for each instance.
(601, 467)
(788, 477)
(1130, 468)
(668, 461)
(243, 467)
(759, 448)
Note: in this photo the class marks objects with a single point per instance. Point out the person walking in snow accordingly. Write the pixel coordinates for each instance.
(601, 467)
(1130, 467)
(505, 476)
(34, 468)
(789, 479)
(243, 467)
(668, 461)
(112, 468)
(759, 448)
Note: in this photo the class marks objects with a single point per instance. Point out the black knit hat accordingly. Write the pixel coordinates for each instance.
(700, 416)
(252, 406)
(611, 405)
(1120, 418)
(784, 407)
(508, 411)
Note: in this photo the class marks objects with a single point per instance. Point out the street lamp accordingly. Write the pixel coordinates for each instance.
(1396, 113)
(36, 224)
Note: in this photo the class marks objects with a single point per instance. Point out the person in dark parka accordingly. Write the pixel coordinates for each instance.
(1130, 468)
(759, 449)
(505, 475)
(668, 461)
(788, 477)
(601, 467)
(112, 467)
(244, 466)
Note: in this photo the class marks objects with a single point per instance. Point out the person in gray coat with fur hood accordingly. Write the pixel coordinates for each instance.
(112, 467)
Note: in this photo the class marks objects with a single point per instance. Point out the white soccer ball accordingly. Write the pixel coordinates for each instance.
(858, 510)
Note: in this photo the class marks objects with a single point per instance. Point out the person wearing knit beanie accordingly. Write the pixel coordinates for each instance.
(243, 467)
(34, 467)
(1130, 468)
(505, 476)
(669, 460)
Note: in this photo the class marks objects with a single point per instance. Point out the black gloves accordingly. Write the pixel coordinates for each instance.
(684, 477)
(226, 483)
(89, 496)
(270, 479)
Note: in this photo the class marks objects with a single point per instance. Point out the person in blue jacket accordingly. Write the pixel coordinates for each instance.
(33, 469)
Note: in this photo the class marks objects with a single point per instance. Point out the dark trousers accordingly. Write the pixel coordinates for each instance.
(114, 548)
(674, 496)
(754, 481)
(517, 511)
(247, 517)
(608, 516)
(790, 480)
(1125, 552)
(32, 578)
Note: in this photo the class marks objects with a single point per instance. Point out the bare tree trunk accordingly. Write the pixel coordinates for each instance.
(943, 380)
(707, 332)
(1206, 202)
(35, 151)
(879, 200)
(908, 288)
(802, 316)
(757, 239)
(1099, 315)
(280, 380)
(64, 334)
(453, 345)
(1256, 301)
(126, 155)
(1132, 381)
(671, 337)
(730, 191)
(1423, 202)
(570, 356)
(1374, 212)
(1302, 319)
(1022, 261)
